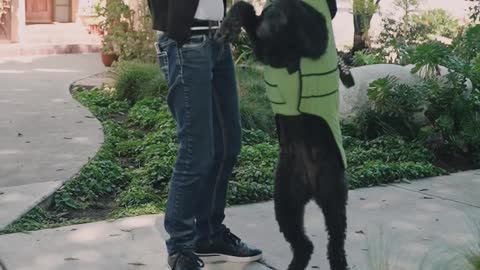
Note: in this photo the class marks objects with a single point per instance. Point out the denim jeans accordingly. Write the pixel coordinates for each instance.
(203, 100)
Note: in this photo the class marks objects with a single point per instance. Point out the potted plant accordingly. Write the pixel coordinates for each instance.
(108, 54)
(115, 21)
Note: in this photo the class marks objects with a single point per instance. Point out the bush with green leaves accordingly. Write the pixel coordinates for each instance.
(451, 107)
(387, 159)
(366, 57)
(437, 22)
(392, 108)
(136, 81)
(131, 172)
(252, 179)
(428, 57)
(138, 43)
(242, 49)
(255, 108)
(399, 38)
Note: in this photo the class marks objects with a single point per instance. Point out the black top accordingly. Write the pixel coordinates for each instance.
(174, 17)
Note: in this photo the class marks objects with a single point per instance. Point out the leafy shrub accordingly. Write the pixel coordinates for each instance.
(451, 108)
(253, 177)
(398, 39)
(467, 46)
(364, 58)
(455, 116)
(252, 137)
(136, 81)
(241, 49)
(134, 166)
(437, 22)
(128, 148)
(428, 57)
(146, 113)
(394, 105)
(99, 178)
(136, 195)
(137, 210)
(387, 159)
(103, 106)
(157, 153)
(126, 32)
(138, 43)
(255, 109)
(372, 173)
(388, 149)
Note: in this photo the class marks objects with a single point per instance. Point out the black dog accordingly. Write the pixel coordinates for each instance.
(286, 31)
(310, 164)
(310, 167)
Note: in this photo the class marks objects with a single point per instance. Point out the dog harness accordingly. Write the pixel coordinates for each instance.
(314, 88)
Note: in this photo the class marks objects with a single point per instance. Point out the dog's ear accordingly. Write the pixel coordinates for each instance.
(312, 32)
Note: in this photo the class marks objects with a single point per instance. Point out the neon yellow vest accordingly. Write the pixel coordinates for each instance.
(313, 89)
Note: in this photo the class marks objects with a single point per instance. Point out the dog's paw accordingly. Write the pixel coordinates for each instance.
(345, 75)
(229, 30)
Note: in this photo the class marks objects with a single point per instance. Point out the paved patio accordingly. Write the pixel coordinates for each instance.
(431, 215)
(45, 135)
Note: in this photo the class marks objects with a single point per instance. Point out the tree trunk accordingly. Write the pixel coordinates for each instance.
(360, 34)
(361, 24)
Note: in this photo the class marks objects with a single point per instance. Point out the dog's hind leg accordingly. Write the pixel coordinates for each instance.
(331, 196)
(326, 174)
(334, 211)
(291, 192)
(290, 198)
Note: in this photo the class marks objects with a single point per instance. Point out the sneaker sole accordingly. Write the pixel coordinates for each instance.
(217, 258)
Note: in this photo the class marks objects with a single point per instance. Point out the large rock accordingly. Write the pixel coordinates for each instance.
(354, 100)
(443, 76)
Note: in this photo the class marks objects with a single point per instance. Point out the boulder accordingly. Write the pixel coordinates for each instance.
(353, 100)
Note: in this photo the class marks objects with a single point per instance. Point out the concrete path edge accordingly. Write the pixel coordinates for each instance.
(42, 193)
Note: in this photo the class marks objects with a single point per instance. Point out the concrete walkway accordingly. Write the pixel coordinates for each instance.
(426, 215)
(45, 135)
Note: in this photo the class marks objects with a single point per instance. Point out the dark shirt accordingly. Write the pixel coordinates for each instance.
(174, 17)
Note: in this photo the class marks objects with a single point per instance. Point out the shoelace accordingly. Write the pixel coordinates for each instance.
(190, 258)
(230, 236)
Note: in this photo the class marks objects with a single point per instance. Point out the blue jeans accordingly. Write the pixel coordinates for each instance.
(203, 100)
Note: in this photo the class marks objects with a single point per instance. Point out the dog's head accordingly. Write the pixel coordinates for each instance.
(274, 22)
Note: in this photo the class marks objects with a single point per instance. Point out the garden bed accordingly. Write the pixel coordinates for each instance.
(130, 174)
